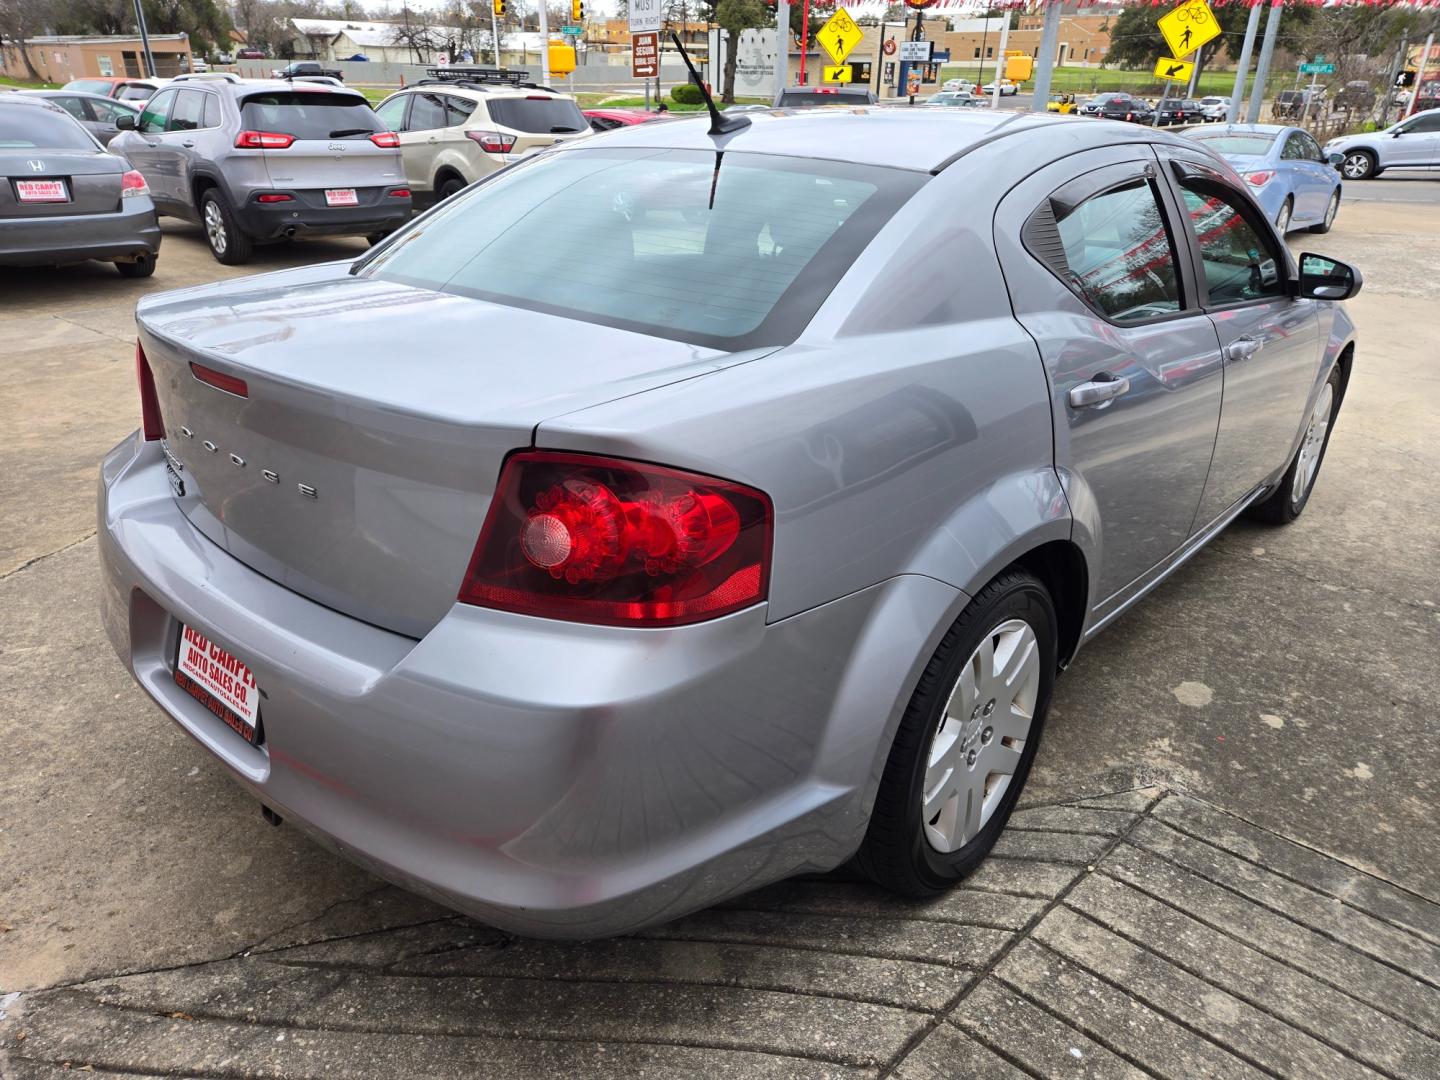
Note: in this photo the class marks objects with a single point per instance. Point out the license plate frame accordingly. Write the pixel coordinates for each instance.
(339, 197)
(41, 191)
(220, 681)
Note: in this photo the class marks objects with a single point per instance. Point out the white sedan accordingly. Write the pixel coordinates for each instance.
(1007, 88)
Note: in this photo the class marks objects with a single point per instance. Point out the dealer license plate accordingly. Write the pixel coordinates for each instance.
(220, 681)
(41, 191)
(344, 196)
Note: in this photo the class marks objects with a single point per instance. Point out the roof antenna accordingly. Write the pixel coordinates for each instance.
(719, 123)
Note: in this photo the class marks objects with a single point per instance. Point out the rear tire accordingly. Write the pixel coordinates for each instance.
(960, 739)
(1287, 501)
(228, 243)
(449, 186)
(142, 267)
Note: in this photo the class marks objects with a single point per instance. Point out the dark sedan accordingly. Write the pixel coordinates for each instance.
(97, 114)
(63, 199)
(1124, 107)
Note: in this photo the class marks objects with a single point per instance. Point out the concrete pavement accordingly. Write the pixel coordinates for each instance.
(1226, 868)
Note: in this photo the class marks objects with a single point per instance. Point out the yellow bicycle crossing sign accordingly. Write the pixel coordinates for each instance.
(1188, 26)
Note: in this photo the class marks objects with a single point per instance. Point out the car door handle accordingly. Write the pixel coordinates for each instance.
(188, 142)
(1243, 349)
(1100, 390)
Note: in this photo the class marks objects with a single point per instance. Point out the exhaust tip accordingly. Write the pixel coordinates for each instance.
(271, 816)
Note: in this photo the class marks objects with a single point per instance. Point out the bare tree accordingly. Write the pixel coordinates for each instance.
(417, 34)
(21, 20)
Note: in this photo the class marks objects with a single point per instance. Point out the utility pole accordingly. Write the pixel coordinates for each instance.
(782, 45)
(1420, 75)
(1394, 76)
(545, 47)
(494, 35)
(144, 39)
(1262, 69)
(984, 40)
(1195, 71)
(1242, 67)
(1000, 59)
(1049, 38)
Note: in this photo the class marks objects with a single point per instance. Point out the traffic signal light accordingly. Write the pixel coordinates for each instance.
(577, 11)
(498, 6)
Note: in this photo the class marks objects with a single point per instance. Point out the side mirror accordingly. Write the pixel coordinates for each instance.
(1327, 279)
(125, 122)
(1336, 159)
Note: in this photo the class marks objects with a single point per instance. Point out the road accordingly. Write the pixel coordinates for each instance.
(1226, 865)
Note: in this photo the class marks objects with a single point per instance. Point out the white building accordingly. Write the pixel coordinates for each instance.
(390, 42)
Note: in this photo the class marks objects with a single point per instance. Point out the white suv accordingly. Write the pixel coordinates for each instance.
(462, 124)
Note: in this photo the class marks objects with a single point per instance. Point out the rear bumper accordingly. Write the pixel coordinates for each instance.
(551, 779)
(50, 241)
(306, 215)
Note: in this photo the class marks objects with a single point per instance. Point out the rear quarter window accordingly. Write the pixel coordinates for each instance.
(539, 115)
(310, 115)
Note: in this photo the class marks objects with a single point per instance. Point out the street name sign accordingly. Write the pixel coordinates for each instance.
(644, 55)
(1188, 27)
(1317, 69)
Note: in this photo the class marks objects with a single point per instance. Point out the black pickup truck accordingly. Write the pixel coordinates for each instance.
(304, 69)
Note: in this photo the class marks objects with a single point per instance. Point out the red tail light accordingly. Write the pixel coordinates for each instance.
(602, 540)
(400, 193)
(1259, 179)
(492, 141)
(151, 425)
(133, 183)
(274, 197)
(387, 139)
(262, 140)
(218, 379)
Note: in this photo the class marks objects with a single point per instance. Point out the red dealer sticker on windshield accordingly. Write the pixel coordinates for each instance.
(223, 677)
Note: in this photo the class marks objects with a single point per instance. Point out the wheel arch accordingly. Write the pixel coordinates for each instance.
(1060, 565)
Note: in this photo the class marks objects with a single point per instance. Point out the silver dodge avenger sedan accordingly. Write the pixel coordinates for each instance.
(675, 512)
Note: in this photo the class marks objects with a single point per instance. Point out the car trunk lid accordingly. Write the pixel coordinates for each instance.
(358, 466)
(89, 183)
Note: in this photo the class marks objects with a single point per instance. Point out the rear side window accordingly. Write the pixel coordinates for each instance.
(427, 112)
(733, 253)
(1118, 254)
(310, 115)
(26, 128)
(189, 111)
(457, 110)
(538, 115)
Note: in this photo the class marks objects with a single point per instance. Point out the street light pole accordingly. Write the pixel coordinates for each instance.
(1049, 38)
(144, 39)
(1262, 69)
(1420, 75)
(1000, 64)
(545, 47)
(782, 45)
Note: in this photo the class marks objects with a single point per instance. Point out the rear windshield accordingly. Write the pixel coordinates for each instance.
(1237, 144)
(839, 97)
(89, 86)
(733, 251)
(308, 114)
(25, 128)
(539, 115)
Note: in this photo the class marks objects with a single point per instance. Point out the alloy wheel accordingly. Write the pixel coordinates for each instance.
(1314, 443)
(215, 228)
(1356, 166)
(978, 745)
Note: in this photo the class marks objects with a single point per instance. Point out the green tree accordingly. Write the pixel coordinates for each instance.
(1135, 41)
(733, 16)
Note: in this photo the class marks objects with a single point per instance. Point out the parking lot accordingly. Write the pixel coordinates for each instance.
(1224, 864)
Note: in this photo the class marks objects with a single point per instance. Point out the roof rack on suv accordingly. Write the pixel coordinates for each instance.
(201, 76)
(477, 75)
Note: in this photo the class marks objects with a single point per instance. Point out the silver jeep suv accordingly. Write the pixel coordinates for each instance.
(259, 160)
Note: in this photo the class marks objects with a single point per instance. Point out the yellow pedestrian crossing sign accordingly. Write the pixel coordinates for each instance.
(1175, 70)
(1188, 26)
(838, 73)
(839, 35)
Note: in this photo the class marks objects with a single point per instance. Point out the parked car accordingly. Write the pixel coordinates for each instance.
(1091, 105)
(1213, 108)
(1124, 107)
(255, 160)
(1413, 143)
(1178, 111)
(97, 115)
(63, 199)
(225, 58)
(1355, 96)
(250, 54)
(122, 89)
(457, 127)
(613, 540)
(956, 98)
(1288, 173)
(1007, 88)
(608, 119)
(298, 69)
(965, 86)
(807, 96)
